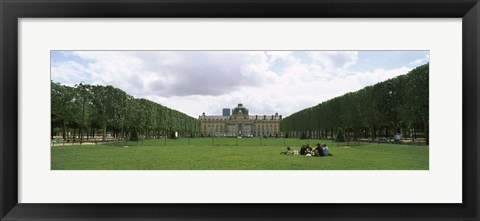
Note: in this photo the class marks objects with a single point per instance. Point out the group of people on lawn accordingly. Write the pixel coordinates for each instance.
(320, 151)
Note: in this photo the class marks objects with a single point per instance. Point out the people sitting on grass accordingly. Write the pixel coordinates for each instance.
(319, 150)
(326, 151)
(309, 150)
(303, 150)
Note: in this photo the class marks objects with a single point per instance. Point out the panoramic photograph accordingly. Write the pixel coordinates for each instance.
(239, 110)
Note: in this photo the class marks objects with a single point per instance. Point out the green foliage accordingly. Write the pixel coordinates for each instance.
(400, 102)
(201, 155)
(340, 137)
(134, 136)
(70, 107)
(112, 110)
(172, 135)
(303, 136)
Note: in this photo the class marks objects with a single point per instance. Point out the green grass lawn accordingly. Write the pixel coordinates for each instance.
(235, 154)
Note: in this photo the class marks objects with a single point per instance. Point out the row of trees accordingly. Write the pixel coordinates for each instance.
(395, 106)
(88, 109)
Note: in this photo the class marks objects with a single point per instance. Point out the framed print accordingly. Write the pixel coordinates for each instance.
(239, 110)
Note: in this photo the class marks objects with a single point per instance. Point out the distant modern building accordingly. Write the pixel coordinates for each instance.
(226, 112)
(240, 123)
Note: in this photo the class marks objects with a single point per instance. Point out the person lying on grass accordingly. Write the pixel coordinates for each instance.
(287, 151)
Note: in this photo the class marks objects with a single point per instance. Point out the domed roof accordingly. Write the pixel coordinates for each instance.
(240, 110)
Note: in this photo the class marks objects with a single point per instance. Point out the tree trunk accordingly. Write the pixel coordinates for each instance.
(426, 133)
(64, 130)
(104, 136)
(411, 134)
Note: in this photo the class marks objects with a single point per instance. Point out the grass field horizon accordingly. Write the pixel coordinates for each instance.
(235, 154)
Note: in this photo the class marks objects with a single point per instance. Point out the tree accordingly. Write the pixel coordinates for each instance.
(64, 107)
(388, 107)
(340, 137)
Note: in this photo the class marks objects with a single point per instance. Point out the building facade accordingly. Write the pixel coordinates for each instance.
(241, 124)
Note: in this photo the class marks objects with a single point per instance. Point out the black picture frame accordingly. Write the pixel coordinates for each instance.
(12, 10)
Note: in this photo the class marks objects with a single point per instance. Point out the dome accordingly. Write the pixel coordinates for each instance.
(240, 110)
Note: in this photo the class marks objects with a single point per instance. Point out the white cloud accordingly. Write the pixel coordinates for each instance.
(203, 81)
(280, 55)
(334, 60)
(71, 72)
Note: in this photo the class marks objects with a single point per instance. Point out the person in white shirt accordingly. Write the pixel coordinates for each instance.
(326, 151)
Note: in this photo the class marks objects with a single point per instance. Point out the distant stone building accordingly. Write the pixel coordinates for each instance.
(240, 123)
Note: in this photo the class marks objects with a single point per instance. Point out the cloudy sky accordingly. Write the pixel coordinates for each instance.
(207, 81)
